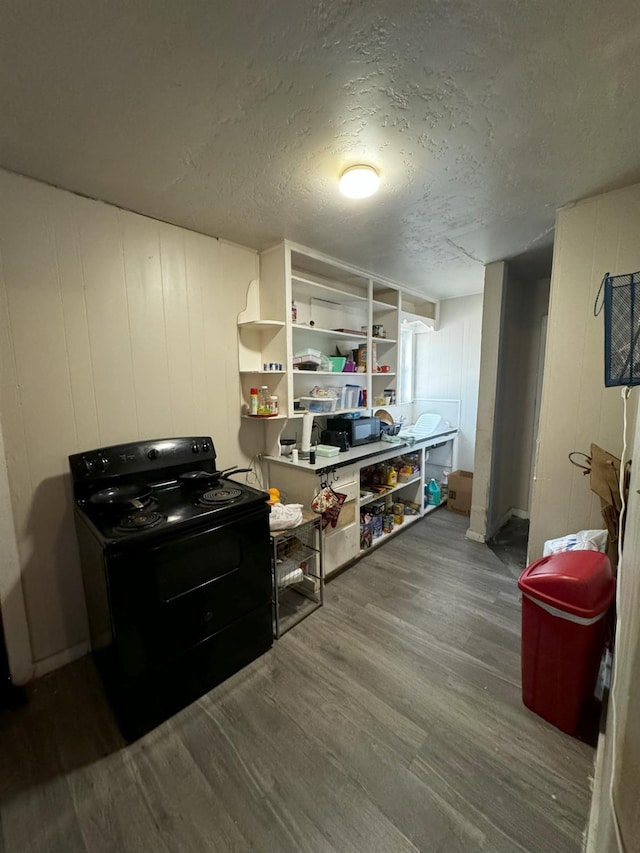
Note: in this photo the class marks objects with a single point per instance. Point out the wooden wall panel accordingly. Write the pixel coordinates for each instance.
(176, 306)
(235, 265)
(199, 273)
(113, 327)
(592, 237)
(65, 212)
(108, 322)
(53, 599)
(147, 326)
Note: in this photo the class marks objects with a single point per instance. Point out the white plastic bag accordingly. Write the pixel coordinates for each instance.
(584, 540)
(284, 516)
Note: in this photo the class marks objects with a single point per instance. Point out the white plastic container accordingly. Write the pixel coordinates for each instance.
(319, 405)
(341, 395)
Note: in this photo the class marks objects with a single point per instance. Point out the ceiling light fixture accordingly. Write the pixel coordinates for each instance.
(359, 181)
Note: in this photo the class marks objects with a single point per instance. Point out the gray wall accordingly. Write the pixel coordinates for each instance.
(524, 306)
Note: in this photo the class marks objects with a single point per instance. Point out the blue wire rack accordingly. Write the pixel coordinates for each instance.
(621, 303)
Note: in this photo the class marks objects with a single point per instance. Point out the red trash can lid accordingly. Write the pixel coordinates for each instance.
(578, 582)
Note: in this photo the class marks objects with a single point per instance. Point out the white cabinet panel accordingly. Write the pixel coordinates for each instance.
(341, 546)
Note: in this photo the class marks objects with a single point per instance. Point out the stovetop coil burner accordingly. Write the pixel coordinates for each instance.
(139, 521)
(217, 497)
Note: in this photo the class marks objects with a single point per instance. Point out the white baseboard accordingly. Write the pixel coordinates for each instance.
(42, 667)
(499, 524)
(510, 513)
(475, 537)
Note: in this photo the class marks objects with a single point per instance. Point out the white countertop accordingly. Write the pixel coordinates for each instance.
(364, 451)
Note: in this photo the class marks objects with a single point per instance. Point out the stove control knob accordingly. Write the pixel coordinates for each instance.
(102, 462)
(206, 447)
(153, 453)
(88, 465)
(195, 448)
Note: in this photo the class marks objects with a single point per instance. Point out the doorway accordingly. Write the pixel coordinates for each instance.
(518, 391)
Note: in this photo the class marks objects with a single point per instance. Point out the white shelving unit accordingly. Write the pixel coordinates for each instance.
(335, 302)
(342, 544)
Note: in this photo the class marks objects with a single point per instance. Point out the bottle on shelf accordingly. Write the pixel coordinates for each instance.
(264, 401)
(432, 493)
(273, 404)
(444, 487)
(294, 311)
(253, 404)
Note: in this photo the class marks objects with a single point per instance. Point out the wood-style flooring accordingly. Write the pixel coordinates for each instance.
(390, 720)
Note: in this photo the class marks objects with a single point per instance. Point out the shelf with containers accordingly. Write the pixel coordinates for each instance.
(262, 346)
(325, 344)
(331, 309)
(390, 496)
(385, 308)
(341, 312)
(350, 473)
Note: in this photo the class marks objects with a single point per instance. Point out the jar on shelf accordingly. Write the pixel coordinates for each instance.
(273, 404)
(398, 513)
(264, 401)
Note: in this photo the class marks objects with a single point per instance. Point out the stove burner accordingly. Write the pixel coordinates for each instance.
(139, 521)
(216, 497)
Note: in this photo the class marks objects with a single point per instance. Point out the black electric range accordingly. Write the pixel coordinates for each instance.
(176, 569)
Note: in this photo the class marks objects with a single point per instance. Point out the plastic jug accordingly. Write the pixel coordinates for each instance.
(444, 486)
(433, 493)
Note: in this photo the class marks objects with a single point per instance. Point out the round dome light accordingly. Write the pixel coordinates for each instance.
(359, 181)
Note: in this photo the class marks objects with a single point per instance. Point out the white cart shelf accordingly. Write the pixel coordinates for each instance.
(297, 570)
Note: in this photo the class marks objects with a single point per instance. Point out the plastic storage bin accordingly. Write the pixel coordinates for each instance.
(319, 405)
(565, 599)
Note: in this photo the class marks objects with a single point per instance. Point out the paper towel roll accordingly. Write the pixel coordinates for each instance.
(307, 424)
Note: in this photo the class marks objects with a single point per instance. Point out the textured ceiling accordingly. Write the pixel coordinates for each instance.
(235, 119)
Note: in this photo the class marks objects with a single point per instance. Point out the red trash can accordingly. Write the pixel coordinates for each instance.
(565, 598)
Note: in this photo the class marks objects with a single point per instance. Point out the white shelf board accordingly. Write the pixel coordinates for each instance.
(379, 303)
(302, 286)
(389, 491)
(261, 324)
(328, 373)
(315, 330)
(397, 528)
(265, 417)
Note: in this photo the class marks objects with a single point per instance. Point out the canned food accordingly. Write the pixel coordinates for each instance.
(387, 524)
(377, 526)
(398, 513)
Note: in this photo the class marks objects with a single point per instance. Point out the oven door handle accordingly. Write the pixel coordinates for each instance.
(202, 586)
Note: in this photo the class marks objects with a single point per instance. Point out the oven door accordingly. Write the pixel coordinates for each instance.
(168, 597)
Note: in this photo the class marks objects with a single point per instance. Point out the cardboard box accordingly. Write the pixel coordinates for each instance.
(460, 486)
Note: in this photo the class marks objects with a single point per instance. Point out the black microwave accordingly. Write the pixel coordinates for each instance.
(358, 430)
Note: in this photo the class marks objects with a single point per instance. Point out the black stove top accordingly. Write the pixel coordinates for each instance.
(173, 491)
